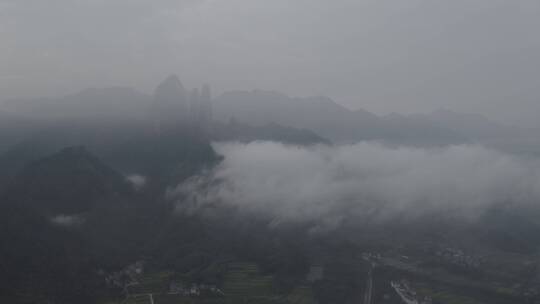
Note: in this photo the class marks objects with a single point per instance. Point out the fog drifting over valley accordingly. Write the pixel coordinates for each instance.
(269, 151)
(365, 181)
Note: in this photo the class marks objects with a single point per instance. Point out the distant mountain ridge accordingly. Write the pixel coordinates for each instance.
(234, 131)
(92, 103)
(327, 118)
(341, 125)
(258, 108)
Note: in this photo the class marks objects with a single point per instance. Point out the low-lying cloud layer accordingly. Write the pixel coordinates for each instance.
(67, 220)
(361, 182)
(137, 181)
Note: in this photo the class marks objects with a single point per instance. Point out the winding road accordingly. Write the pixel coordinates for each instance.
(369, 287)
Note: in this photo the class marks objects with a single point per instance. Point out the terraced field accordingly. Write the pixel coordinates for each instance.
(301, 295)
(244, 280)
(152, 283)
(243, 283)
(138, 299)
(175, 299)
(447, 297)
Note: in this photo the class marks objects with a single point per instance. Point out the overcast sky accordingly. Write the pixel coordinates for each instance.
(405, 56)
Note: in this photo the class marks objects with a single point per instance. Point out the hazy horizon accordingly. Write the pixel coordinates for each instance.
(407, 57)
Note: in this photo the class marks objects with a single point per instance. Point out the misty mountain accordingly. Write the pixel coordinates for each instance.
(122, 183)
(327, 118)
(319, 114)
(94, 103)
(16, 157)
(339, 124)
(235, 131)
(41, 262)
(41, 138)
(128, 149)
(42, 258)
(475, 125)
(169, 106)
(170, 101)
(70, 181)
(13, 128)
(170, 157)
(480, 129)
